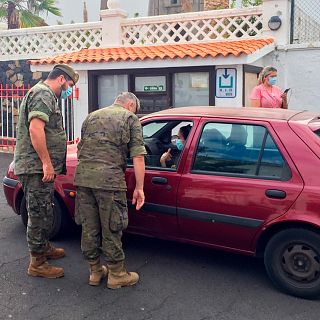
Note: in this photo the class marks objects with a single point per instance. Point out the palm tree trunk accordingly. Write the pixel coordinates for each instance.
(12, 16)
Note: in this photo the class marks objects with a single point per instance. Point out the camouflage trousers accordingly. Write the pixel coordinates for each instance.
(39, 202)
(103, 215)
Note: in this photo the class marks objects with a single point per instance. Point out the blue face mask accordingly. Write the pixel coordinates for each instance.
(179, 144)
(66, 93)
(272, 81)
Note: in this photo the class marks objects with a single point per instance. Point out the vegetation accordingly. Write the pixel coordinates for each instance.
(26, 13)
(247, 3)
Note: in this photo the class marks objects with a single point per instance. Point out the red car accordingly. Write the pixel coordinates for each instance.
(246, 181)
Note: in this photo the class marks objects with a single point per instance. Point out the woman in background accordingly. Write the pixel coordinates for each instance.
(267, 94)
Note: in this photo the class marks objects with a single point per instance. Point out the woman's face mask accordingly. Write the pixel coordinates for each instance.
(179, 144)
(272, 81)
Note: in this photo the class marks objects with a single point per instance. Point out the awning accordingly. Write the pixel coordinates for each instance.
(248, 50)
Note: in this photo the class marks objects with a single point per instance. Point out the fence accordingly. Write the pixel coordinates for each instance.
(34, 43)
(10, 102)
(228, 24)
(305, 21)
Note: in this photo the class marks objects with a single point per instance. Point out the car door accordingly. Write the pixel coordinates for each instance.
(237, 177)
(159, 215)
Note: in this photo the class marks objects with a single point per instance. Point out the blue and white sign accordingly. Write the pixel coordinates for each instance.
(226, 83)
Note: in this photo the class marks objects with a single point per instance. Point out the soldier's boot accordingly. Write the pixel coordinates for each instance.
(119, 277)
(39, 267)
(52, 252)
(97, 272)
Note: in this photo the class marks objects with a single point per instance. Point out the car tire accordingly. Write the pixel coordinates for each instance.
(292, 261)
(59, 222)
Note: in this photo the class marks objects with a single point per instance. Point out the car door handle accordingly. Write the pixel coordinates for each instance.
(159, 180)
(277, 194)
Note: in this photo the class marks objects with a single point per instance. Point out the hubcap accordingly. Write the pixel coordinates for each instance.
(301, 263)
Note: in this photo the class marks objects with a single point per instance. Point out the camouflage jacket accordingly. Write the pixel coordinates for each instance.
(108, 136)
(40, 102)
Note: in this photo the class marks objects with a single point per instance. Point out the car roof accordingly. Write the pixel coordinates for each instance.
(245, 113)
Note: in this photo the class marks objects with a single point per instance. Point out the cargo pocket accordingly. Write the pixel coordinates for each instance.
(119, 213)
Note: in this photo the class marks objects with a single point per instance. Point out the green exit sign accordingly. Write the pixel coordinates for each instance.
(153, 88)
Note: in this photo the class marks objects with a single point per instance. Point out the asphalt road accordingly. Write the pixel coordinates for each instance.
(178, 282)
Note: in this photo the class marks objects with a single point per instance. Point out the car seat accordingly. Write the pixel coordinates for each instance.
(237, 139)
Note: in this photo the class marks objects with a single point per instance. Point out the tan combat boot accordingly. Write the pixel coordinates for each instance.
(97, 272)
(39, 267)
(52, 252)
(119, 277)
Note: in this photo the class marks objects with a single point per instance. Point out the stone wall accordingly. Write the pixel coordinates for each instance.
(216, 4)
(159, 7)
(18, 73)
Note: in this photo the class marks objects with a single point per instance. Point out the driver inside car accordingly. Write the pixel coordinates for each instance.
(167, 160)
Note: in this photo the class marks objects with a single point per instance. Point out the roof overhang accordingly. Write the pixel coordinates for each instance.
(203, 54)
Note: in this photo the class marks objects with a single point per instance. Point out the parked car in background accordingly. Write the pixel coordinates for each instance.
(246, 181)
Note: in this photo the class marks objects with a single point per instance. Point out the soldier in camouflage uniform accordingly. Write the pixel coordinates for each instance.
(39, 156)
(108, 135)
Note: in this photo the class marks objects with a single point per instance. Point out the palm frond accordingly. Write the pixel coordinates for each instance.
(3, 13)
(29, 20)
(48, 6)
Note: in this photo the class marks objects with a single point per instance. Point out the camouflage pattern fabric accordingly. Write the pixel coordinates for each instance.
(108, 136)
(103, 210)
(39, 201)
(40, 102)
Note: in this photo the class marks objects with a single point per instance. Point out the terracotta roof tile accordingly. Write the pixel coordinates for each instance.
(211, 49)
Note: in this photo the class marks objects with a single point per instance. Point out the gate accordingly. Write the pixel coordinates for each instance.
(10, 102)
(305, 21)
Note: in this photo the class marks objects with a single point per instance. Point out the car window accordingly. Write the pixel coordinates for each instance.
(239, 149)
(159, 137)
(272, 163)
(151, 128)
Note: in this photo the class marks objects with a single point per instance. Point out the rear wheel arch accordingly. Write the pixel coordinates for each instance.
(265, 237)
(292, 262)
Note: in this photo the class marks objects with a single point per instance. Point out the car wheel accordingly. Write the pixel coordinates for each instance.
(58, 217)
(292, 261)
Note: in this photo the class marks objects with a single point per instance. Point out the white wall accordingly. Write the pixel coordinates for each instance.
(82, 104)
(298, 69)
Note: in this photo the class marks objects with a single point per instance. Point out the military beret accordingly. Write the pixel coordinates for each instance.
(74, 75)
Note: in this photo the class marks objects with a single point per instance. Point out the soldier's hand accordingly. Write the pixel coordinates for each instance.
(138, 198)
(48, 172)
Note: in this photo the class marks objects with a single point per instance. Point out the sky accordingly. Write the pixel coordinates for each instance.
(72, 10)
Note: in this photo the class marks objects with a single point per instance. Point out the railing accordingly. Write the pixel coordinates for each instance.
(10, 102)
(226, 24)
(229, 24)
(34, 43)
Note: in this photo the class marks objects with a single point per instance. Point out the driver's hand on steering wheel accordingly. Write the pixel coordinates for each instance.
(167, 156)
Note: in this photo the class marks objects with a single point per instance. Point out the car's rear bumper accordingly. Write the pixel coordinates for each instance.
(11, 188)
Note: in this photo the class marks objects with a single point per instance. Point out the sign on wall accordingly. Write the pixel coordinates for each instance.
(150, 84)
(226, 83)
(159, 88)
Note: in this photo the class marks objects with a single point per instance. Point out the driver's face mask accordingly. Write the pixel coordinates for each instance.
(179, 144)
